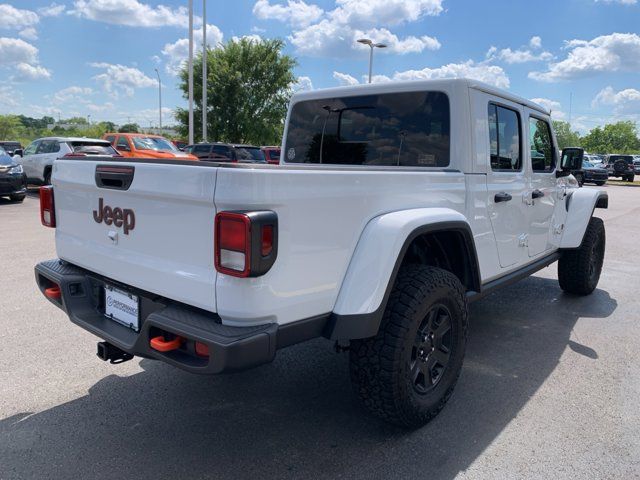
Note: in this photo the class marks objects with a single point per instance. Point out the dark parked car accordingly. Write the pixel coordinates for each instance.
(592, 174)
(13, 181)
(11, 147)
(272, 155)
(636, 164)
(226, 152)
(620, 166)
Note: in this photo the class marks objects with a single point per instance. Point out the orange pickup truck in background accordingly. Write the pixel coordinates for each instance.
(140, 145)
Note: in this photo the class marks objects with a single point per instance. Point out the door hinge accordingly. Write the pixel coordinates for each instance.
(523, 240)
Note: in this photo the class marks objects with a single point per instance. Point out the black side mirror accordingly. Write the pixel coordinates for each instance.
(571, 160)
(17, 152)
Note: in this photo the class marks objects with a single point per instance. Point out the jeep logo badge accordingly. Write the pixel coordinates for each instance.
(118, 217)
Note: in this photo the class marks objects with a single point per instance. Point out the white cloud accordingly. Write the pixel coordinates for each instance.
(623, 101)
(552, 105)
(176, 53)
(120, 80)
(73, 94)
(394, 44)
(491, 74)
(295, 12)
(522, 54)
(608, 53)
(303, 84)
(26, 71)
(384, 12)
(330, 39)
(14, 50)
(52, 10)
(16, 18)
(254, 37)
(622, 2)
(345, 79)
(9, 97)
(29, 33)
(131, 13)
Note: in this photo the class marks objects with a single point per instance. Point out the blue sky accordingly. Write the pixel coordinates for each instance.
(97, 57)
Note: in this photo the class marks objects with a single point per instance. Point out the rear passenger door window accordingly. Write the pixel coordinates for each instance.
(543, 155)
(221, 152)
(123, 144)
(504, 139)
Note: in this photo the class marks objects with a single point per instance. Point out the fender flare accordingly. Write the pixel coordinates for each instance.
(368, 281)
(580, 207)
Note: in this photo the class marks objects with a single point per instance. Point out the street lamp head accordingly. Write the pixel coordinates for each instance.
(380, 45)
(365, 41)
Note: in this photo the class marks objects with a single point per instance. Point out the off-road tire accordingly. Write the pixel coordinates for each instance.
(630, 178)
(18, 197)
(579, 270)
(580, 179)
(381, 365)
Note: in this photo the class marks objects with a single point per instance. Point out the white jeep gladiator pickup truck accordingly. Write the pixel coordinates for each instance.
(393, 207)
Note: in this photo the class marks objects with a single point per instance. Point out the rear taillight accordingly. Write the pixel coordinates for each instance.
(47, 207)
(245, 243)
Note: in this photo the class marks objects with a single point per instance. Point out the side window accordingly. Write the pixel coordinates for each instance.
(201, 149)
(32, 148)
(504, 139)
(221, 151)
(111, 139)
(543, 158)
(54, 147)
(43, 147)
(123, 144)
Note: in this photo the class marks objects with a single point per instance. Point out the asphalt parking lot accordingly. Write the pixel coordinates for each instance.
(550, 389)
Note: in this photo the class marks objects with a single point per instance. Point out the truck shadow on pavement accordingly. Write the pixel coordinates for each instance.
(297, 417)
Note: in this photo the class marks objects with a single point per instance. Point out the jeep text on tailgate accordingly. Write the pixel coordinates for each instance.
(393, 207)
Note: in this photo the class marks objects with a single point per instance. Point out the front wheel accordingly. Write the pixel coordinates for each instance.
(407, 372)
(19, 197)
(630, 178)
(579, 270)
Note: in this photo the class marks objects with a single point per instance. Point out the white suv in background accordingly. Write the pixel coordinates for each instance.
(38, 157)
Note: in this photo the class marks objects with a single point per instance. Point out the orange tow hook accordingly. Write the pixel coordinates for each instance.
(160, 344)
(53, 293)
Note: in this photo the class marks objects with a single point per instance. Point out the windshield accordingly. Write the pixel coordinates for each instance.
(251, 154)
(154, 143)
(586, 164)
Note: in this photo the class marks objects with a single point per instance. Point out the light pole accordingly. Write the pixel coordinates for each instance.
(369, 42)
(204, 70)
(191, 72)
(159, 101)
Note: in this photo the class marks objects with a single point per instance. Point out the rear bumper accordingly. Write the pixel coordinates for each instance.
(230, 348)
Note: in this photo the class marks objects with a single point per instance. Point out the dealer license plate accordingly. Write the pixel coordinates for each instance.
(122, 307)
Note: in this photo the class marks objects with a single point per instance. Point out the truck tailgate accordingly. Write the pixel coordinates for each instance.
(166, 244)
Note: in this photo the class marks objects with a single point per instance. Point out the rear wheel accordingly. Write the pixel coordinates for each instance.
(579, 270)
(630, 178)
(407, 372)
(600, 183)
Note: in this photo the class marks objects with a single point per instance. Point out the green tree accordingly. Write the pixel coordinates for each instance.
(11, 127)
(620, 137)
(129, 128)
(248, 87)
(564, 135)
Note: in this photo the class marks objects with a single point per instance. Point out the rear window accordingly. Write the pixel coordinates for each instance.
(626, 158)
(396, 129)
(93, 148)
(10, 145)
(249, 154)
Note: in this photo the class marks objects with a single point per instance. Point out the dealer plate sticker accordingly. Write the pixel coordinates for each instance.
(121, 307)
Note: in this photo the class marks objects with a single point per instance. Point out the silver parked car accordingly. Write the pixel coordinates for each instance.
(38, 157)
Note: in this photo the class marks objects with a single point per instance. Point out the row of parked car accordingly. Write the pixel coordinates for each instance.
(599, 168)
(34, 164)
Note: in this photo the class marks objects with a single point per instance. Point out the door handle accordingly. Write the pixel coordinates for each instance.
(502, 197)
(537, 194)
